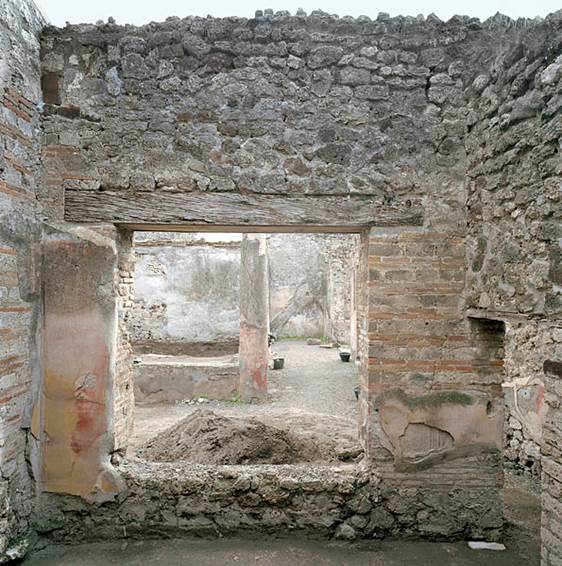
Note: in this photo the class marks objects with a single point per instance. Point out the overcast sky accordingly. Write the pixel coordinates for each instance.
(143, 11)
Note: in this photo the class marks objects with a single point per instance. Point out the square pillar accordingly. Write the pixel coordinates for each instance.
(79, 355)
(254, 317)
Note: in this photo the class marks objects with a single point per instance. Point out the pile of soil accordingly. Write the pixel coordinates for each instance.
(205, 437)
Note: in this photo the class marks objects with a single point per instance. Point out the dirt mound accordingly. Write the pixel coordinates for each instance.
(206, 437)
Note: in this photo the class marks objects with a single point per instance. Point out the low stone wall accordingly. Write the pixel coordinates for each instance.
(167, 379)
(177, 499)
(179, 348)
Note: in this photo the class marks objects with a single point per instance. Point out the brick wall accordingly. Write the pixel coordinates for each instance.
(123, 382)
(433, 376)
(20, 94)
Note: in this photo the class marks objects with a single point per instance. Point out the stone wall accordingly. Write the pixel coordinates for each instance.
(515, 216)
(321, 107)
(123, 391)
(551, 534)
(527, 344)
(298, 292)
(268, 106)
(310, 284)
(223, 111)
(187, 293)
(515, 243)
(20, 233)
(180, 499)
(514, 173)
(342, 258)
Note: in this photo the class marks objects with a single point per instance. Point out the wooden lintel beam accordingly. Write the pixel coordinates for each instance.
(240, 211)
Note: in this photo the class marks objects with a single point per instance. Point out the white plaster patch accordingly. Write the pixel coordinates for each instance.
(483, 545)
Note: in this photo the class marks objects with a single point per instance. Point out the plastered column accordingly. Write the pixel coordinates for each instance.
(80, 328)
(254, 317)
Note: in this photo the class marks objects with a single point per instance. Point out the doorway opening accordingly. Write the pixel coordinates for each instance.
(197, 303)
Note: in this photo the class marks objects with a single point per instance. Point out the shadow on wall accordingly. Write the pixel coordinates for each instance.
(311, 278)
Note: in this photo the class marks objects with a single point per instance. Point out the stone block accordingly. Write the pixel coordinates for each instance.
(169, 379)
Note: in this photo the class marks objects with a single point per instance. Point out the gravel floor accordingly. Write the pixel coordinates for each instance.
(314, 379)
(314, 391)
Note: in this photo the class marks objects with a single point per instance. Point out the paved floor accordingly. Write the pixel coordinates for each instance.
(186, 552)
(315, 389)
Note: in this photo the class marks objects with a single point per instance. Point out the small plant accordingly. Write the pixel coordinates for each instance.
(236, 400)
